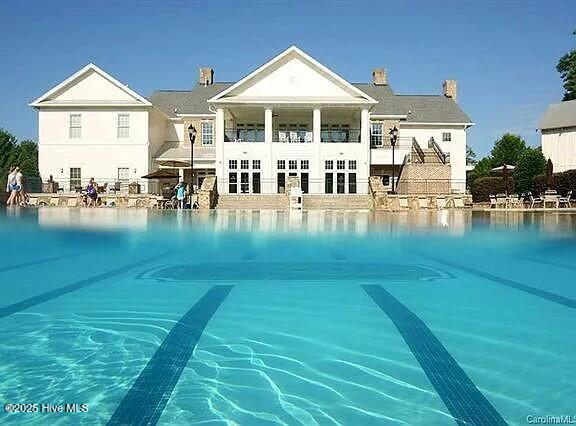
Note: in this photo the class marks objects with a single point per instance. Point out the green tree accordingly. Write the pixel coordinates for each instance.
(23, 155)
(567, 69)
(530, 164)
(481, 169)
(470, 156)
(507, 150)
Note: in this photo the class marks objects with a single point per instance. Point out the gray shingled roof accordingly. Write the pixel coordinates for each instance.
(187, 101)
(419, 108)
(559, 115)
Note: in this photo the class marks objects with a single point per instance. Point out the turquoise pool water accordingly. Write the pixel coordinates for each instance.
(256, 318)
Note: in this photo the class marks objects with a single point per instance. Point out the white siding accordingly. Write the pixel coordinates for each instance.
(560, 147)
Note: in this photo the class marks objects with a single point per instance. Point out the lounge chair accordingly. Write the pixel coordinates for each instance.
(440, 203)
(72, 202)
(33, 202)
(514, 201)
(132, 202)
(422, 203)
(403, 202)
(565, 200)
(54, 202)
(458, 203)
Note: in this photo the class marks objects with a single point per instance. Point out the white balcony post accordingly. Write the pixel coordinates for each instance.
(317, 171)
(267, 183)
(219, 138)
(364, 169)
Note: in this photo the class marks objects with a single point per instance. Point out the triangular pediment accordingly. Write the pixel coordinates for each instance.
(90, 86)
(293, 76)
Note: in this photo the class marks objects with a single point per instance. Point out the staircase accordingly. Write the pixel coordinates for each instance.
(425, 171)
(337, 202)
(252, 201)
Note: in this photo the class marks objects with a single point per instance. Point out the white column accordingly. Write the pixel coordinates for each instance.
(267, 184)
(364, 168)
(219, 146)
(317, 171)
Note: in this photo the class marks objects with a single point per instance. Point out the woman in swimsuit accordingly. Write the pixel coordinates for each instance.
(12, 187)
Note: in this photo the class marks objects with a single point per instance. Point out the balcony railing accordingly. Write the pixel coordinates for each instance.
(292, 136)
(340, 136)
(243, 135)
(378, 141)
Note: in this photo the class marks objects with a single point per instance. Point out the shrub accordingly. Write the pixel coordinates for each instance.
(484, 186)
(563, 182)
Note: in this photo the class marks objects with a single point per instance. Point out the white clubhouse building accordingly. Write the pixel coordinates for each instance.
(290, 117)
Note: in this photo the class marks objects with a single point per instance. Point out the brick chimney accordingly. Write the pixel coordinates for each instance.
(450, 89)
(380, 77)
(206, 76)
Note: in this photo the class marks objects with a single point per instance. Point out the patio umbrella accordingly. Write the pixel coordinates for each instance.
(501, 168)
(550, 174)
(162, 174)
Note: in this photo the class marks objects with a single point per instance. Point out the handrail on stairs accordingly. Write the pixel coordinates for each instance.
(418, 149)
(444, 158)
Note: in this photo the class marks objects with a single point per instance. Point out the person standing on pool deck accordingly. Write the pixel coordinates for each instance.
(180, 194)
(11, 186)
(21, 194)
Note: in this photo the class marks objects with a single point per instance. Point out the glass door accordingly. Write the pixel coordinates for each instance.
(340, 183)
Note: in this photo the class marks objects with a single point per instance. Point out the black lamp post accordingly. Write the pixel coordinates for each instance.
(192, 136)
(393, 140)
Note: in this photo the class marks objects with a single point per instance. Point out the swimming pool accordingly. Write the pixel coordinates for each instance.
(253, 318)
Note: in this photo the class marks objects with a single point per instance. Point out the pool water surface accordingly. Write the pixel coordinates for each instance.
(264, 317)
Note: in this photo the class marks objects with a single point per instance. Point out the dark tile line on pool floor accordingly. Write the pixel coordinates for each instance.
(43, 260)
(548, 262)
(148, 396)
(53, 294)
(463, 399)
(552, 297)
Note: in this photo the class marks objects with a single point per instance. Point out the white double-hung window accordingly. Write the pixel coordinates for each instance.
(123, 126)
(75, 129)
(207, 133)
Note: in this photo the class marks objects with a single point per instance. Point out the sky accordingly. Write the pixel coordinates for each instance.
(502, 53)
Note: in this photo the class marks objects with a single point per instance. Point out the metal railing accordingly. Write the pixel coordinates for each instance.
(445, 158)
(244, 135)
(402, 142)
(292, 136)
(418, 149)
(341, 136)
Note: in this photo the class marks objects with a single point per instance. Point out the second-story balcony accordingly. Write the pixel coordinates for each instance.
(244, 134)
(342, 135)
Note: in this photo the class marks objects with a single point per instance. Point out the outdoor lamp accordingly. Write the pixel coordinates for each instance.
(393, 140)
(192, 133)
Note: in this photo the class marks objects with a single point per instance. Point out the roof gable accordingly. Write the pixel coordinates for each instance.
(293, 76)
(90, 86)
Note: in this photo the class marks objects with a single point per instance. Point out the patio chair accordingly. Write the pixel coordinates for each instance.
(493, 202)
(72, 202)
(54, 202)
(422, 203)
(565, 200)
(403, 202)
(534, 200)
(33, 202)
(501, 200)
(458, 203)
(514, 201)
(440, 203)
(282, 137)
(308, 137)
(294, 137)
(132, 202)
